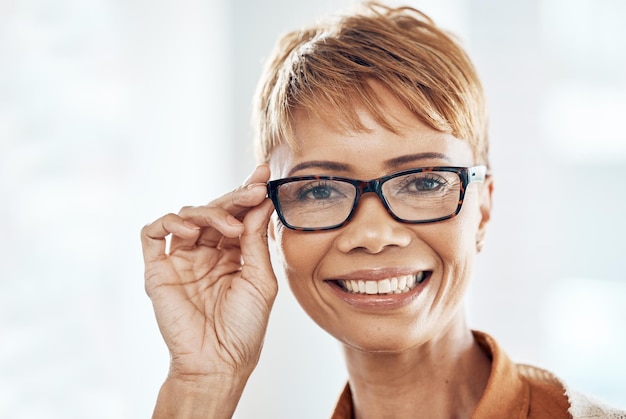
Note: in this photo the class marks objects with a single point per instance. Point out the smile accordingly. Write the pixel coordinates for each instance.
(393, 285)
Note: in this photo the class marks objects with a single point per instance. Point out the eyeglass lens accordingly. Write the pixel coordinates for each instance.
(416, 197)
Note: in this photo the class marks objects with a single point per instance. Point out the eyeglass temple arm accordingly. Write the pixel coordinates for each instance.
(478, 173)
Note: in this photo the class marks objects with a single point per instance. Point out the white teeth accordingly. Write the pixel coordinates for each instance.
(371, 287)
(384, 286)
(394, 285)
(402, 282)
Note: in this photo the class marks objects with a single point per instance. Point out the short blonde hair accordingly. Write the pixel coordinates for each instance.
(326, 70)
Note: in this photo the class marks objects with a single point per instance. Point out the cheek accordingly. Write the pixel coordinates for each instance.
(464, 230)
(300, 254)
(451, 249)
(454, 243)
(457, 254)
(461, 241)
(297, 258)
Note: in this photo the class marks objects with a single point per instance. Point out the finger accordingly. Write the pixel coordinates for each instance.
(178, 242)
(236, 203)
(257, 267)
(248, 194)
(260, 174)
(212, 220)
(216, 223)
(153, 235)
(228, 243)
(239, 200)
(224, 214)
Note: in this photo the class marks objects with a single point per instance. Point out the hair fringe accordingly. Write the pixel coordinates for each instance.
(327, 69)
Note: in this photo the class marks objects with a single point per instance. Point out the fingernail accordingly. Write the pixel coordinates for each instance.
(256, 185)
(190, 225)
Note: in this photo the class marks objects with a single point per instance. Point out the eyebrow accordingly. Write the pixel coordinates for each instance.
(332, 166)
(397, 161)
(320, 164)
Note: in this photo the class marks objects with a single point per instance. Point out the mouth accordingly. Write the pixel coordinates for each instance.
(387, 286)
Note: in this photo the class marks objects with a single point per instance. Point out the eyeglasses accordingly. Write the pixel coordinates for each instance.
(417, 196)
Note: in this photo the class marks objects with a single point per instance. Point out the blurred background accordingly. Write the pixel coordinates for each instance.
(113, 113)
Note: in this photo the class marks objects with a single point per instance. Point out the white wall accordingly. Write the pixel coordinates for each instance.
(113, 113)
(551, 276)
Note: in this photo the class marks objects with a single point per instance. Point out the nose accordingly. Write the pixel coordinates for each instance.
(372, 229)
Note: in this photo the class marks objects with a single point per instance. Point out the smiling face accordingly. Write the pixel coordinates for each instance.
(412, 276)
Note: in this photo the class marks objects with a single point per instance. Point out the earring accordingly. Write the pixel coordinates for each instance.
(479, 245)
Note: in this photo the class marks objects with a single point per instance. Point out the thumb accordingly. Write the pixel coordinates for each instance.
(257, 267)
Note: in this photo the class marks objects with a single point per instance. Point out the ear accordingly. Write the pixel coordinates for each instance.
(486, 192)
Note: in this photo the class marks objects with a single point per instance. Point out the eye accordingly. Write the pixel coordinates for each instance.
(424, 182)
(320, 190)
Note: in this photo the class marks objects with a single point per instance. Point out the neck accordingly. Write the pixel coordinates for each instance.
(444, 378)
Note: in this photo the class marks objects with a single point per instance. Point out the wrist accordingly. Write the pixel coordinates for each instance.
(199, 396)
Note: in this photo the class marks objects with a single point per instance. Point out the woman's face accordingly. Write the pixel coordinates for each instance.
(373, 246)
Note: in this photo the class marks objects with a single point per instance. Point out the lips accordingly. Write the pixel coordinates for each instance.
(393, 285)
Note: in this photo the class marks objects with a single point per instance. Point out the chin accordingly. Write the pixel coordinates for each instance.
(387, 340)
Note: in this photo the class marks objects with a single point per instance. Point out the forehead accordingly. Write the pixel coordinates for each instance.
(370, 152)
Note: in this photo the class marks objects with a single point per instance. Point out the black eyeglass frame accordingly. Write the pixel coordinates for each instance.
(467, 175)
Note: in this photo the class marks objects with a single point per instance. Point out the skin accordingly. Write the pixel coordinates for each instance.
(212, 309)
(422, 349)
(213, 290)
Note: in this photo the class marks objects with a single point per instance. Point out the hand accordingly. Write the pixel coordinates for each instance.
(213, 292)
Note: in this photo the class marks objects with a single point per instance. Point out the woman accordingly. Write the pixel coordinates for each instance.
(373, 130)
